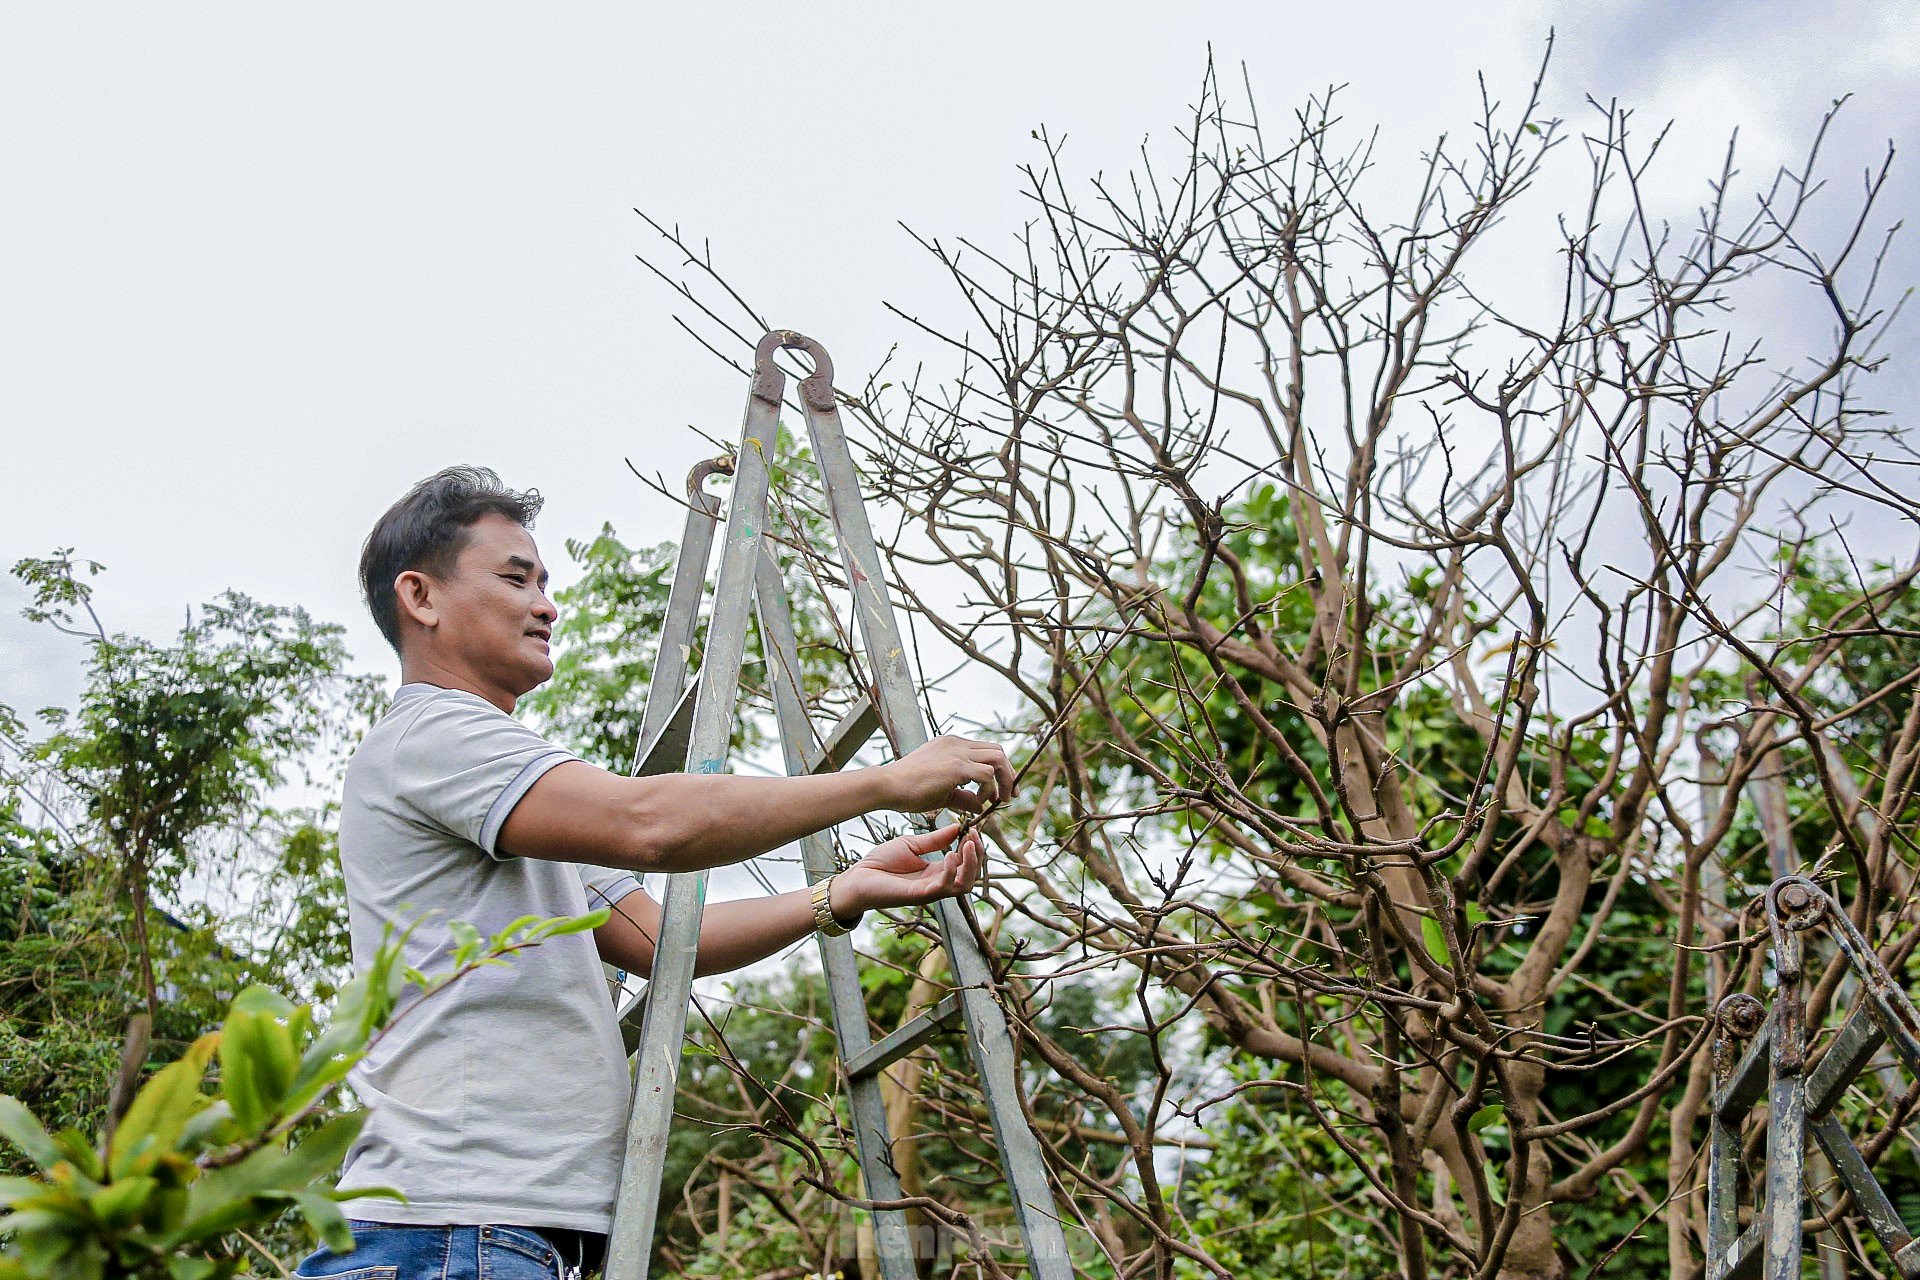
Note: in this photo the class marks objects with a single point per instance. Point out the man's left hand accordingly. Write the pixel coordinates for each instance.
(896, 874)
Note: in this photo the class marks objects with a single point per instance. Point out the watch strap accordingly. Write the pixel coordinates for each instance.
(823, 918)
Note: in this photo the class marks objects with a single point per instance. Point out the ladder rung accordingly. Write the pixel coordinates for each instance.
(1744, 1259)
(1869, 1197)
(667, 753)
(1852, 1049)
(885, 1052)
(847, 738)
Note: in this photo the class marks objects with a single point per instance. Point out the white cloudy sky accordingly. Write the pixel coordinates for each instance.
(263, 266)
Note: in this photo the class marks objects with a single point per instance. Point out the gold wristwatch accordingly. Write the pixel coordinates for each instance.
(823, 918)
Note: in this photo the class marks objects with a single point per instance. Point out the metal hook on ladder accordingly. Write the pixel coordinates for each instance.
(689, 728)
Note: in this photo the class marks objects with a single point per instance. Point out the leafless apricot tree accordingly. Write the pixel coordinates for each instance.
(1415, 593)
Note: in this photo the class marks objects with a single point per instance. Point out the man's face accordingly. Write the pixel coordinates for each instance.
(493, 615)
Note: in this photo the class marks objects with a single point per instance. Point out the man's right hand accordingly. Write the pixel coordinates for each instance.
(950, 772)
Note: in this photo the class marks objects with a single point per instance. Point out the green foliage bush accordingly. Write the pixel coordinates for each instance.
(168, 1188)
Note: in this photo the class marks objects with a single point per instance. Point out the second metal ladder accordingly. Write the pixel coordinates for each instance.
(1802, 1098)
(688, 728)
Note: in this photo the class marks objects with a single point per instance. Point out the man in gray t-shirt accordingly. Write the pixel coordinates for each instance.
(497, 1106)
(499, 1099)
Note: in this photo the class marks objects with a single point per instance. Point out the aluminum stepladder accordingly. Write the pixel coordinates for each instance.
(689, 728)
(1801, 1101)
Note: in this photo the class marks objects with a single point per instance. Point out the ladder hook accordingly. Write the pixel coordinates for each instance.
(816, 389)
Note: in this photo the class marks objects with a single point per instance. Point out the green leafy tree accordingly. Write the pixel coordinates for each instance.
(174, 743)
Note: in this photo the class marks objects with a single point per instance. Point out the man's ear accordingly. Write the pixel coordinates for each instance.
(417, 598)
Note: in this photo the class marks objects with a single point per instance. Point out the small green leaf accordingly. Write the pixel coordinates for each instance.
(562, 925)
(212, 1125)
(263, 1000)
(18, 1126)
(1488, 1115)
(322, 1150)
(161, 1110)
(257, 1066)
(13, 1189)
(385, 1193)
(181, 1267)
(1436, 940)
(317, 1077)
(464, 934)
(362, 1005)
(218, 1221)
(324, 1216)
(59, 1207)
(81, 1152)
(120, 1203)
(506, 935)
(238, 1068)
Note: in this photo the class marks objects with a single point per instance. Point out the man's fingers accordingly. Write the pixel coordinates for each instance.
(980, 774)
(993, 775)
(966, 861)
(933, 841)
(999, 772)
(954, 874)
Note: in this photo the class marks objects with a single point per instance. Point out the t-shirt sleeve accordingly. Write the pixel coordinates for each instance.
(605, 885)
(463, 765)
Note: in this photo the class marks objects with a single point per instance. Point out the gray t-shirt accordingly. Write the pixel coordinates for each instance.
(504, 1097)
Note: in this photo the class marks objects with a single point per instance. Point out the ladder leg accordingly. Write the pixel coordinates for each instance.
(667, 689)
(901, 713)
(663, 1028)
(895, 702)
(1786, 1168)
(683, 604)
(1723, 1164)
(1786, 1185)
(893, 1240)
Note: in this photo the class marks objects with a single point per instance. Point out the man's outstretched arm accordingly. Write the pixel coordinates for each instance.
(735, 934)
(686, 822)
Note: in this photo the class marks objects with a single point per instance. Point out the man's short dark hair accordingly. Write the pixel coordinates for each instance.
(425, 531)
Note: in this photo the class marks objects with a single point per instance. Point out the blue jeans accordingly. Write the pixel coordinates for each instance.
(390, 1251)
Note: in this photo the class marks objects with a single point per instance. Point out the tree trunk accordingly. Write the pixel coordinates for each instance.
(1531, 1254)
(137, 884)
